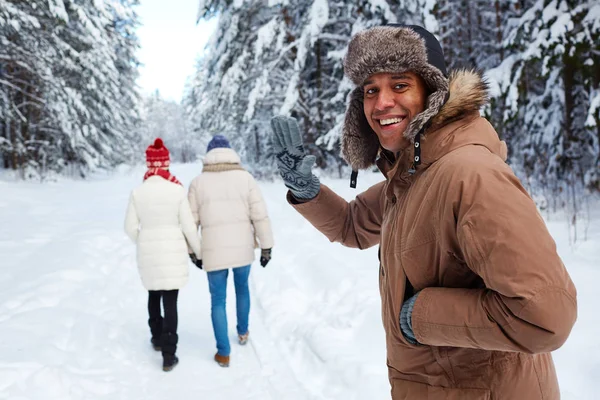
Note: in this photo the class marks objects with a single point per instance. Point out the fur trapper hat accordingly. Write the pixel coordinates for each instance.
(391, 49)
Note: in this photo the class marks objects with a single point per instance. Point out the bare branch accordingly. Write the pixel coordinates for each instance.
(7, 83)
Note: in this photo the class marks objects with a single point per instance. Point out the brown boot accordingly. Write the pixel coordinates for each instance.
(223, 361)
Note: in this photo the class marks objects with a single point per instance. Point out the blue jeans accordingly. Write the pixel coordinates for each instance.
(217, 284)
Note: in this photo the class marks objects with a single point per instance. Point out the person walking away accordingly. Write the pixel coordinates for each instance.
(228, 207)
(160, 222)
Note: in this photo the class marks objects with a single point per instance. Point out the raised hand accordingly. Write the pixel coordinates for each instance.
(295, 167)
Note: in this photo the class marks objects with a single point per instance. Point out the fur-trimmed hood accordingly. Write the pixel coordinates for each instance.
(468, 92)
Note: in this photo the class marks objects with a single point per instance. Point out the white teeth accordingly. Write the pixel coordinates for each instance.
(390, 121)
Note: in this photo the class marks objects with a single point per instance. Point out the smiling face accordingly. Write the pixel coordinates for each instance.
(391, 101)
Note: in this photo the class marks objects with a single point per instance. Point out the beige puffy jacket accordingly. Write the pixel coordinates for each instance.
(228, 206)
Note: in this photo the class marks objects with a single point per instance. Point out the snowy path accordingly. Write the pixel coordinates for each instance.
(73, 316)
(75, 310)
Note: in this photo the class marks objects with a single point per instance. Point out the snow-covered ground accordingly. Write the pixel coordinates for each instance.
(73, 310)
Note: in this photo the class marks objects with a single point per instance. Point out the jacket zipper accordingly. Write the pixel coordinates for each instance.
(397, 207)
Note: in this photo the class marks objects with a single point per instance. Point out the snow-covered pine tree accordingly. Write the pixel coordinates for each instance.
(65, 103)
(126, 43)
(470, 31)
(220, 95)
(195, 103)
(547, 83)
(166, 119)
(23, 70)
(495, 20)
(90, 90)
(589, 45)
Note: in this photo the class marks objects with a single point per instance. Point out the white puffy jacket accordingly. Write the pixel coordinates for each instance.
(229, 208)
(160, 222)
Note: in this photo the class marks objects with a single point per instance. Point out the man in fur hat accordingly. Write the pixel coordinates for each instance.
(474, 296)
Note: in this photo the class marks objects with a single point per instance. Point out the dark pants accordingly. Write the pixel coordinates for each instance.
(163, 329)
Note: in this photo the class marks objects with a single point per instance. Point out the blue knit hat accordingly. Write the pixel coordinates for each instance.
(218, 141)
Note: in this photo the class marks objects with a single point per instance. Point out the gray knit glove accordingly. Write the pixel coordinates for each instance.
(406, 319)
(295, 167)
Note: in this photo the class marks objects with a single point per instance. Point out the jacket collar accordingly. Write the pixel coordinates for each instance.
(222, 155)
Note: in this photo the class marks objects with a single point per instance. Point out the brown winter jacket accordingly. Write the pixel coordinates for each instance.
(494, 297)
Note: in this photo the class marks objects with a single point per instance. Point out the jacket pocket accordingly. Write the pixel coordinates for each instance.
(464, 364)
(409, 390)
(420, 264)
(398, 291)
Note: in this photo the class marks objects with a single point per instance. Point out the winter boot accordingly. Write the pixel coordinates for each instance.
(169, 362)
(223, 361)
(243, 339)
(155, 344)
(156, 325)
(169, 346)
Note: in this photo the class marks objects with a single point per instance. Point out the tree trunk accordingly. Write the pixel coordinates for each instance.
(568, 85)
(500, 46)
(257, 146)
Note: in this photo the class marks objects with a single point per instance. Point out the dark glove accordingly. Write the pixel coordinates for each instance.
(406, 319)
(295, 167)
(265, 257)
(195, 261)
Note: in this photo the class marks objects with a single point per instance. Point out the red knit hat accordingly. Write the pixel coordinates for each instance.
(157, 155)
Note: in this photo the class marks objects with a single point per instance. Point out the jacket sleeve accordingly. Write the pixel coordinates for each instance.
(259, 216)
(193, 202)
(188, 227)
(354, 224)
(132, 222)
(529, 301)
